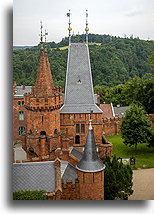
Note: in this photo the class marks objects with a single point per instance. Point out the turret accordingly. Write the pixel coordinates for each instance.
(91, 171)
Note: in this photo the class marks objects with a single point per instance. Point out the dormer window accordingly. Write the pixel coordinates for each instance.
(79, 81)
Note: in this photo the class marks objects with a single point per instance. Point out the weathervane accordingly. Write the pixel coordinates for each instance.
(87, 29)
(69, 26)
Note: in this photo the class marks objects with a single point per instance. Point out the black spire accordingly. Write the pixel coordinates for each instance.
(90, 161)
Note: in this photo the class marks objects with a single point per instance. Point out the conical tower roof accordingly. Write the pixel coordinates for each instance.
(90, 161)
(44, 81)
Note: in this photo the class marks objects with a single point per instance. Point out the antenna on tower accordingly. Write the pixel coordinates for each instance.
(69, 26)
(87, 29)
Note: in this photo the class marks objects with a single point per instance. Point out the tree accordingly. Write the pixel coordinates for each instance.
(117, 180)
(136, 127)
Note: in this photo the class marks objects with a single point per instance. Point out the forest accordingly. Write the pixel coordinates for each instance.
(121, 67)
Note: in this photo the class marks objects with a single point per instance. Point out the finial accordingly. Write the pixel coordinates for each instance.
(41, 35)
(46, 33)
(87, 29)
(90, 125)
(69, 26)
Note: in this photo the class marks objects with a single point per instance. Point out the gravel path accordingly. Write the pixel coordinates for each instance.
(143, 184)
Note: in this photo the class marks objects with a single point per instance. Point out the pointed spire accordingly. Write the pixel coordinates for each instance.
(87, 29)
(90, 161)
(44, 82)
(69, 26)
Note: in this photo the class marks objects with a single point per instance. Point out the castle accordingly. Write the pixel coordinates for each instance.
(63, 139)
(58, 140)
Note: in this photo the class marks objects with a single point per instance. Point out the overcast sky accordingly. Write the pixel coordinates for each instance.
(114, 17)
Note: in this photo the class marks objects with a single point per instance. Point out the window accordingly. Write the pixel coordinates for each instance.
(42, 133)
(77, 139)
(20, 103)
(21, 129)
(82, 128)
(21, 115)
(55, 131)
(77, 128)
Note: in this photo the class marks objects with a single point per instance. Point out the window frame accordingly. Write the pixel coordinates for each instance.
(21, 115)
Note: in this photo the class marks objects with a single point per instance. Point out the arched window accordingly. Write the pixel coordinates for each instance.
(21, 115)
(77, 139)
(21, 129)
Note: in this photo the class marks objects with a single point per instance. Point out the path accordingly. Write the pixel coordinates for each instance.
(143, 184)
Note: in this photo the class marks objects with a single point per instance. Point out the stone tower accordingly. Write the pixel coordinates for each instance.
(43, 105)
(91, 171)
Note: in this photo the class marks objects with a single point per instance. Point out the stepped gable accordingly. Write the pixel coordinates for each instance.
(90, 161)
(44, 83)
(79, 94)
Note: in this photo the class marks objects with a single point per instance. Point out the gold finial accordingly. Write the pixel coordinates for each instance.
(69, 26)
(87, 29)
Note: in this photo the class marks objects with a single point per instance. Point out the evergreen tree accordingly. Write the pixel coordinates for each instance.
(117, 180)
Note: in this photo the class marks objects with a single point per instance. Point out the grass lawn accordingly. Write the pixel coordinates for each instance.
(144, 155)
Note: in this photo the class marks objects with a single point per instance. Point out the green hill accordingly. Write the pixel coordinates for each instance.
(114, 60)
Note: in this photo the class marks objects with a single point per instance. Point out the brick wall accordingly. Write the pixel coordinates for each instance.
(91, 185)
(111, 126)
(68, 123)
(70, 191)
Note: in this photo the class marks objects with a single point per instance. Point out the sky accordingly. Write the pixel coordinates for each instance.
(113, 17)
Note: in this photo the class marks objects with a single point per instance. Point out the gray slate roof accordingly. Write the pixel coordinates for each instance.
(34, 176)
(76, 153)
(120, 111)
(90, 161)
(70, 174)
(40, 175)
(79, 95)
(95, 98)
(20, 92)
